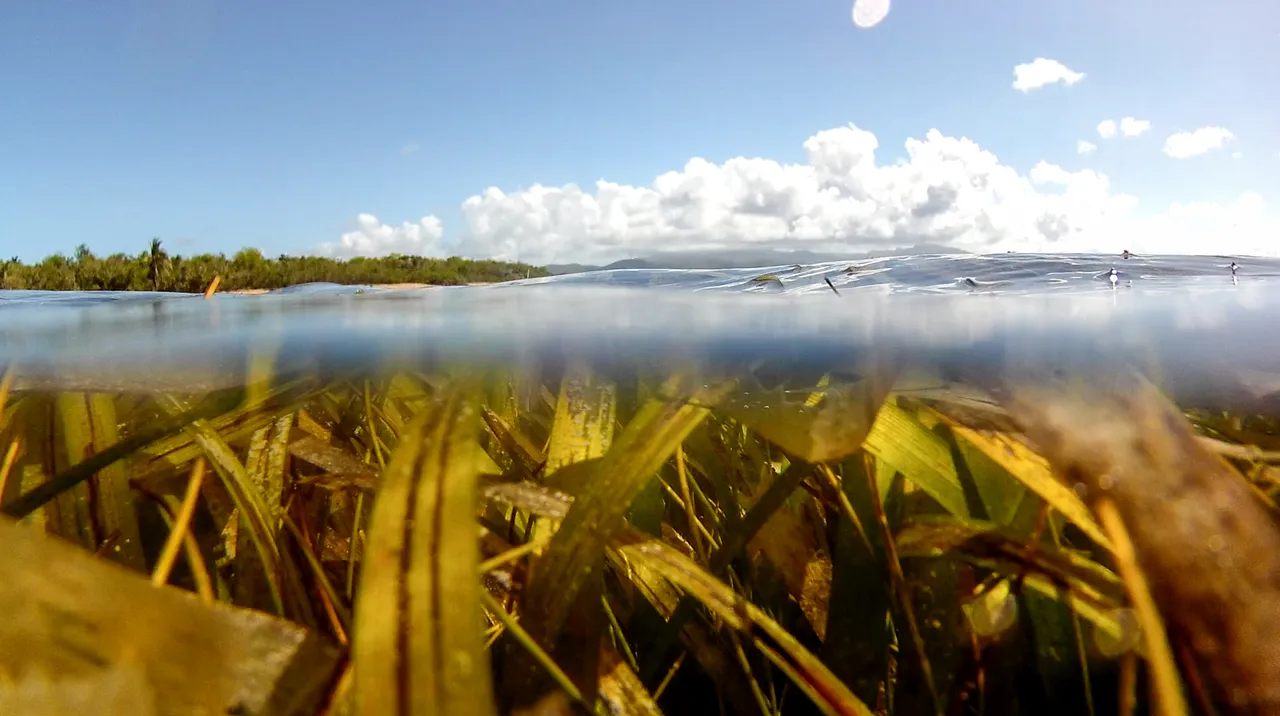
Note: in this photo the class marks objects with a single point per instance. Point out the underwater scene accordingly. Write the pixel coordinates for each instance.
(923, 485)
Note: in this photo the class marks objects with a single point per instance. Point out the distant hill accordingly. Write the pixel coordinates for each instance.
(561, 269)
(744, 258)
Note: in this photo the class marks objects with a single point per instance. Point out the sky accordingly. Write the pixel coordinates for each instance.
(591, 130)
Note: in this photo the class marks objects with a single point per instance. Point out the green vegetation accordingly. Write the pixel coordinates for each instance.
(562, 540)
(157, 270)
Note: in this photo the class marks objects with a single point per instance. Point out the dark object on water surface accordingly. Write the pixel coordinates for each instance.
(1126, 254)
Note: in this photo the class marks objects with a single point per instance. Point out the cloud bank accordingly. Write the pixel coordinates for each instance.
(945, 190)
(842, 197)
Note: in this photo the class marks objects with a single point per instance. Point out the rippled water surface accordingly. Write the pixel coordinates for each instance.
(1188, 311)
(963, 273)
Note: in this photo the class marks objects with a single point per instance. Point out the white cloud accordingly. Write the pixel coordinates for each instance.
(1128, 126)
(1240, 226)
(1237, 155)
(1248, 204)
(943, 190)
(408, 149)
(1083, 147)
(374, 238)
(1190, 144)
(1131, 127)
(1040, 72)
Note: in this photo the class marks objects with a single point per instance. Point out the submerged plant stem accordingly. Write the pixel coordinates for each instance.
(695, 526)
(6, 384)
(902, 590)
(181, 523)
(45, 493)
(6, 465)
(338, 613)
(1164, 671)
(512, 625)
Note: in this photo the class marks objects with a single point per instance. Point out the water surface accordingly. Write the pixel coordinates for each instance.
(1190, 316)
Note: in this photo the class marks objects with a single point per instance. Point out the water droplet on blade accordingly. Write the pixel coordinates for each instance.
(1124, 638)
(994, 611)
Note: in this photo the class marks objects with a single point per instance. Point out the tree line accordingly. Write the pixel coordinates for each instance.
(157, 270)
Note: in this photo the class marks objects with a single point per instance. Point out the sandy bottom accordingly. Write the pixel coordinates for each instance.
(392, 286)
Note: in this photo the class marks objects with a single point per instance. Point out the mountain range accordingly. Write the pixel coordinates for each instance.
(744, 258)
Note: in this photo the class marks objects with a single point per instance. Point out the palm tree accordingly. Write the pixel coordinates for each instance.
(157, 263)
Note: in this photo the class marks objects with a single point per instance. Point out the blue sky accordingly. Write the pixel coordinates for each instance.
(221, 124)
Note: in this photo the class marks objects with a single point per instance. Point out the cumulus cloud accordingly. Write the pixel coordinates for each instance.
(1040, 72)
(843, 197)
(1083, 147)
(1128, 126)
(1183, 145)
(1240, 226)
(1131, 127)
(945, 190)
(1247, 205)
(371, 237)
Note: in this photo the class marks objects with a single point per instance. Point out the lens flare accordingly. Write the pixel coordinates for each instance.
(869, 13)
